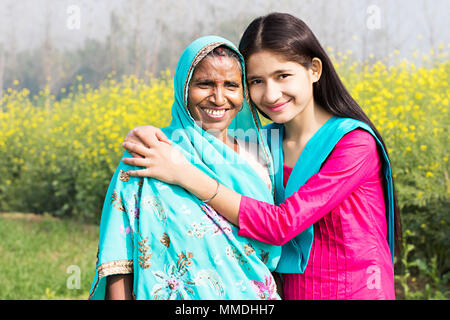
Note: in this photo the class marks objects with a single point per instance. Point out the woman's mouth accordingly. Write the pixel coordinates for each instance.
(215, 113)
(278, 107)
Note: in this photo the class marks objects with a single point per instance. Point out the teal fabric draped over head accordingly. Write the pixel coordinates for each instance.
(176, 246)
(203, 149)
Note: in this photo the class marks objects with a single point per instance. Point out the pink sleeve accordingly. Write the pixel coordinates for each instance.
(352, 161)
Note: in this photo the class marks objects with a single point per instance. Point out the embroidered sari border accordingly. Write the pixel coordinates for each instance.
(111, 268)
(115, 267)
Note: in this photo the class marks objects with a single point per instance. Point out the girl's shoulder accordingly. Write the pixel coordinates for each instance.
(358, 138)
(358, 148)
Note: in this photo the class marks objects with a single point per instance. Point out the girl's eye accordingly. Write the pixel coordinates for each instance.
(254, 82)
(284, 75)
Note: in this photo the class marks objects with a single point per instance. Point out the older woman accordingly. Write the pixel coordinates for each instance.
(158, 241)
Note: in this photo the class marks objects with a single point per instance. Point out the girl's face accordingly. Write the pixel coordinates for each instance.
(281, 89)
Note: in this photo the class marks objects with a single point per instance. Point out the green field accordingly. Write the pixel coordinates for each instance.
(41, 255)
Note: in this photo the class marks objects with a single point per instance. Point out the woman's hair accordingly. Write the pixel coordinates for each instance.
(224, 51)
(290, 37)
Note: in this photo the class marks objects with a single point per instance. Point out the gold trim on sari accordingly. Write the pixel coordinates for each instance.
(115, 267)
(112, 268)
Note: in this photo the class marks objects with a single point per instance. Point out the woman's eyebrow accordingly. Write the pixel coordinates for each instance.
(232, 82)
(209, 81)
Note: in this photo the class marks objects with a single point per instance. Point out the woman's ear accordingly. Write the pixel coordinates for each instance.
(316, 67)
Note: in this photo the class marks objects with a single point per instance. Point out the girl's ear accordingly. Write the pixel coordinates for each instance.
(316, 68)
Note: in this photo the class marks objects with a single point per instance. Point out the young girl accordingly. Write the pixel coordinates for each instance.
(336, 200)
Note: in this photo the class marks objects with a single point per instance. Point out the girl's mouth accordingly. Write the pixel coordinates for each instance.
(279, 107)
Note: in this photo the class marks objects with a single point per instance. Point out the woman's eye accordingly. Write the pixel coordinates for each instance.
(232, 85)
(204, 84)
(284, 75)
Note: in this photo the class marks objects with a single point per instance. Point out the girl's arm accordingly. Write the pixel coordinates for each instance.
(352, 162)
(353, 159)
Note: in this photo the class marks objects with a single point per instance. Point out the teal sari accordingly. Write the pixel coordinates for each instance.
(176, 246)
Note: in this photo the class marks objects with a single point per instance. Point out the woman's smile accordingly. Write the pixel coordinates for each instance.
(215, 113)
(215, 94)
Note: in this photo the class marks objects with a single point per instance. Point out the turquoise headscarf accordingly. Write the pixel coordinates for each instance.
(176, 246)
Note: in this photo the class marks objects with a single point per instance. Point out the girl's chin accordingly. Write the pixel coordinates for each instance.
(280, 117)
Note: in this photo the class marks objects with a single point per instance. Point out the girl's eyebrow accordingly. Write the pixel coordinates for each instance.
(252, 77)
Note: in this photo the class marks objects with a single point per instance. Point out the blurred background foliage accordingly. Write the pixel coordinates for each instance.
(64, 112)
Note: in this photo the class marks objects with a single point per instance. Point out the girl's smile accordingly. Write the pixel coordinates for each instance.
(279, 107)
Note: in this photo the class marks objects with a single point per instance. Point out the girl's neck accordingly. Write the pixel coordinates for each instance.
(305, 124)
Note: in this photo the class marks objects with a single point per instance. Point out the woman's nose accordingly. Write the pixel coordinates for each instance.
(218, 96)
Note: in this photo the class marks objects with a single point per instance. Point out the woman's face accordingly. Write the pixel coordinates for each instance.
(215, 93)
(281, 89)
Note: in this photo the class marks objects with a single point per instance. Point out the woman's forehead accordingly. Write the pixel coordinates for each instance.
(218, 65)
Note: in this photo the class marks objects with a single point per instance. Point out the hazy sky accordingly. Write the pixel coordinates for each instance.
(410, 24)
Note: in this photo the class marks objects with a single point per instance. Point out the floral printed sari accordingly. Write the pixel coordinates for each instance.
(176, 246)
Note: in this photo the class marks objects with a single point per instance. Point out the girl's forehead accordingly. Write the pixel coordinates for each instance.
(268, 54)
(268, 62)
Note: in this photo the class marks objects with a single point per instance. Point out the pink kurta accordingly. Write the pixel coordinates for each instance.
(350, 257)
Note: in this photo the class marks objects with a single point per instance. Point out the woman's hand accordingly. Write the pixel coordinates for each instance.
(161, 161)
(145, 136)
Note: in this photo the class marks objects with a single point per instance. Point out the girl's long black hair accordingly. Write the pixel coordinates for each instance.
(290, 37)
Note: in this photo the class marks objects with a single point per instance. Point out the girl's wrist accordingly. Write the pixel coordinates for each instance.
(198, 183)
(187, 177)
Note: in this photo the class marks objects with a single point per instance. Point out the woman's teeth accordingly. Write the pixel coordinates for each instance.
(215, 113)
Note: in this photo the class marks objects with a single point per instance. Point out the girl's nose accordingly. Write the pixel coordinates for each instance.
(272, 93)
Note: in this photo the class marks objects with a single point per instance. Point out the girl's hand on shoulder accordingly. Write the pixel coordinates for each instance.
(144, 136)
(161, 161)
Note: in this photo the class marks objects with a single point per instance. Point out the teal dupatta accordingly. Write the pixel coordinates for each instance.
(176, 246)
(295, 253)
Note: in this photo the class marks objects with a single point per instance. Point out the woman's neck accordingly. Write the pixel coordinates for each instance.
(228, 140)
